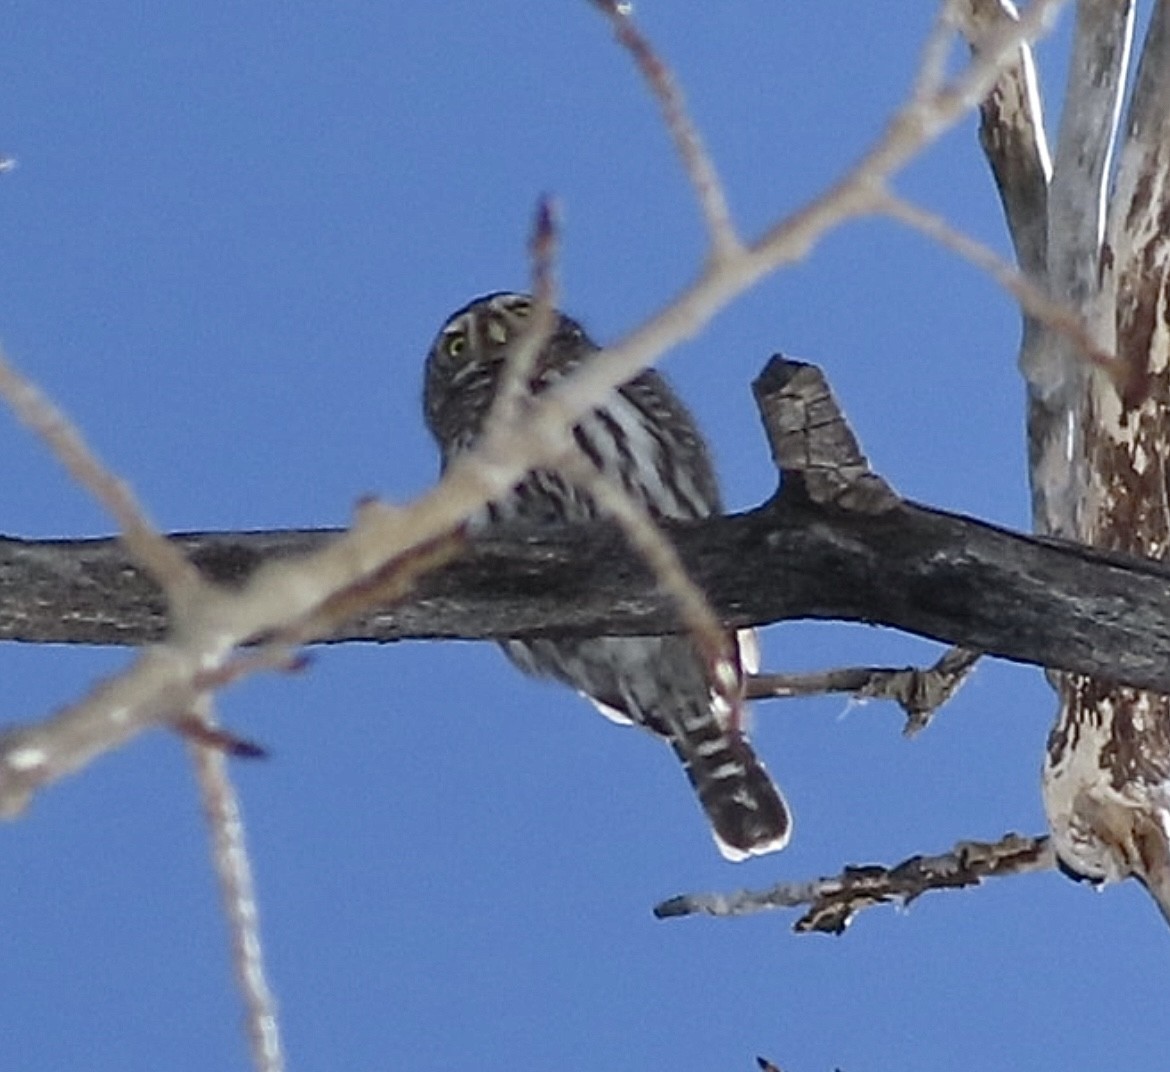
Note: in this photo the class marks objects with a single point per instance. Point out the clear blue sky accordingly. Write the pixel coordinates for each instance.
(232, 234)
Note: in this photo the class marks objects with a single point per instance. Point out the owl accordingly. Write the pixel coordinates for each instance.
(643, 438)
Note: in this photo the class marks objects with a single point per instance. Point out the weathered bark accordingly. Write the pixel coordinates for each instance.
(928, 572)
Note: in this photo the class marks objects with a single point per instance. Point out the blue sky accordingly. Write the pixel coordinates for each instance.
(231, 236)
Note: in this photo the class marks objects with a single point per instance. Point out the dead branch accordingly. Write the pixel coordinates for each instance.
(919, 692)
(834, 901)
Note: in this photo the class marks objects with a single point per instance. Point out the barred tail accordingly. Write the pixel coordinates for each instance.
(748, 814)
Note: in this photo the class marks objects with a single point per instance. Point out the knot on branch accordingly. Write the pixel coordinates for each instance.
(812, 444)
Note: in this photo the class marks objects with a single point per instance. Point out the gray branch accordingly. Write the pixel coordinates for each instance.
(1088, 126)
(834, 901)
(919, 692)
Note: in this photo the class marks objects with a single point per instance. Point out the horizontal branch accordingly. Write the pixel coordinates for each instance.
(835, 544)
(833, 902)
(924, 571)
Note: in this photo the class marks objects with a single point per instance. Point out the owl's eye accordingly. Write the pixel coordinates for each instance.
(521, 307)
(454, 345)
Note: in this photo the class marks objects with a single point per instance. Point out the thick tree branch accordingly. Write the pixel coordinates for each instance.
(939, 575)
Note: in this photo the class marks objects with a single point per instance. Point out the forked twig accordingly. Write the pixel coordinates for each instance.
(835, 900)
(919, 692)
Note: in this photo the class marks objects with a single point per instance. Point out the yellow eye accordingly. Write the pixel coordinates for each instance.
(521, 307)
(455, 344)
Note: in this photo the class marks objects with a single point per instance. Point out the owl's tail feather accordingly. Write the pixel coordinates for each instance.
(748, 814)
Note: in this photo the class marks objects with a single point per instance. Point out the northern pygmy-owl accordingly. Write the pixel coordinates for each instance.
(644, 438)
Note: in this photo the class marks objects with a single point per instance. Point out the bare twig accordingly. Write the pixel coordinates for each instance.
(834, 901)
(200, 732)
(376, 591)
(514, 393)
(699, 167)
(165, 563)
(230, 854)
(710, 638)
(932, 64)
(1059, 317)
(919, 692)
(157, 687)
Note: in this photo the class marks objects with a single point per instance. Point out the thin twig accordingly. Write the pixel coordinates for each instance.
(148, 546)
(710, 638)
(919, 692)
(932, 65)
(697, 163)
(232, 865)
(1058, 316)
(514, 393)
(834, 901)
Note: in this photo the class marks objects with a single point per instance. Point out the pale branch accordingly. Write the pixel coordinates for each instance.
(1044, 312)
(142, 539)
(919, 692)
(930, 78)
(834, 901)
(1135, 267)
(221, 808)
(697, 163)
(1084, 147)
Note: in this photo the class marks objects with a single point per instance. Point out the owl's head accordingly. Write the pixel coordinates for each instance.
(464, 363)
